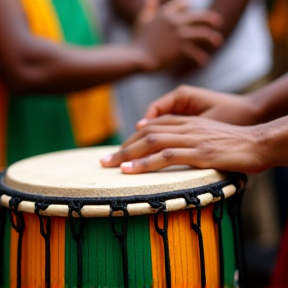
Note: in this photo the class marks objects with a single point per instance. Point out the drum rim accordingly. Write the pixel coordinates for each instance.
(212, 191)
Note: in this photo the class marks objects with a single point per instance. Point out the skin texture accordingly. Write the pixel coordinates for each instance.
(34, 65)
(253, 143)
(230, 11)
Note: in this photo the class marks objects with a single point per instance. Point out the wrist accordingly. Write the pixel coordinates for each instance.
(255, 108)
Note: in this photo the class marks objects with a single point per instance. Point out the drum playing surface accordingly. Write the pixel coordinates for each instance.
(79, 174)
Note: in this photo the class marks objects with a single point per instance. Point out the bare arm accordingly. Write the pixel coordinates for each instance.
(33, 64)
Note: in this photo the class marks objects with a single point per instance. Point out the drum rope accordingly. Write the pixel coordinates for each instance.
(19, 227)
(121, 236)
(218, 216)
(197, 228)
(163, 232)
(46, 233)
(77, 228)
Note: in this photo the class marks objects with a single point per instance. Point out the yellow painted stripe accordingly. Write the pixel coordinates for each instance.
(184, 251)
(42, 19)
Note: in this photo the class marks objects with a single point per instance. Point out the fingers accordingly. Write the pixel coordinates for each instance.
(165, 125)
(201, 34)
(149, 10)
(150, 144)
(162, 159)
(181, 101)
(176, 6)
(208, 18)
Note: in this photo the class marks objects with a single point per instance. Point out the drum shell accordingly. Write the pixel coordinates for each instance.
(102, 258)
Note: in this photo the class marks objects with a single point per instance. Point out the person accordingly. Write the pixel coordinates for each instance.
(243, 60)
(207, 129)
(55, 69)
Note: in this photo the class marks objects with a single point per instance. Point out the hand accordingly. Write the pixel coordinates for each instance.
(169, 33)
(195, 141)
(188, 100)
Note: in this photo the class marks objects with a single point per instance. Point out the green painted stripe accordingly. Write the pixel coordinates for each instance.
(102, 257)
(35, 129)
(229, 249)
(5, 249)
(76, 22)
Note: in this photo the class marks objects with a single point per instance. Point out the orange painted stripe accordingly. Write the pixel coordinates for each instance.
(184, 251)
(210, 238)
(91, 115)
(57, 253)
(33, 254)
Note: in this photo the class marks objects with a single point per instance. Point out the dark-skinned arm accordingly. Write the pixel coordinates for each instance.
(231, 11)
(32, 64)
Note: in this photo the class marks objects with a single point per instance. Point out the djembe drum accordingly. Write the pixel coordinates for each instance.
(67, 222)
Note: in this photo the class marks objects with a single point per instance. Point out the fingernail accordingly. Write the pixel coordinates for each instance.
(126, 166)
(142, 122)
(106, 159)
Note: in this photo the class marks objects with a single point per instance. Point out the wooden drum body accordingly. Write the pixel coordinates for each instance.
(69, 223)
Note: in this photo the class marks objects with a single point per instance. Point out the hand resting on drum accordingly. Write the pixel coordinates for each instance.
(199, 142)
(163, 140)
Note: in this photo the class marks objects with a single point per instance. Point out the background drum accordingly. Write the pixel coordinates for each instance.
(69, 223)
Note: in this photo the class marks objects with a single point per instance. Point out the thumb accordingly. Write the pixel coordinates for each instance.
(149, 9)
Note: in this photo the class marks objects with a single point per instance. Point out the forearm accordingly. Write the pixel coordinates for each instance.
(274, 140)
(271, 101)
(46, 67)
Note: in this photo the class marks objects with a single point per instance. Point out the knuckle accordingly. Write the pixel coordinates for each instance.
(123, 154)
(206, 150)
(151, 138)
(168, 154)
(182, 89)
(142, 163)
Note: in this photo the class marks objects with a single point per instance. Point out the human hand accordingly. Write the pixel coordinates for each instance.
(194, 141)
(169, 33)
(189, 100)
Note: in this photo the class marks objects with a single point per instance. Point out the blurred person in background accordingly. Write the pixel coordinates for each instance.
(55, 69)
(244, 59)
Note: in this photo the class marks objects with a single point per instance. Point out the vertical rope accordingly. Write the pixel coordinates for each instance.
(234, 204)
(19, 227)
(77, 228)
(46, 233)
(218, 216)
(163, 232)
(197, 228)
(122, 237)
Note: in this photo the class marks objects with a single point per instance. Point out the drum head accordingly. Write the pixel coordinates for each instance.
(78, 173)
